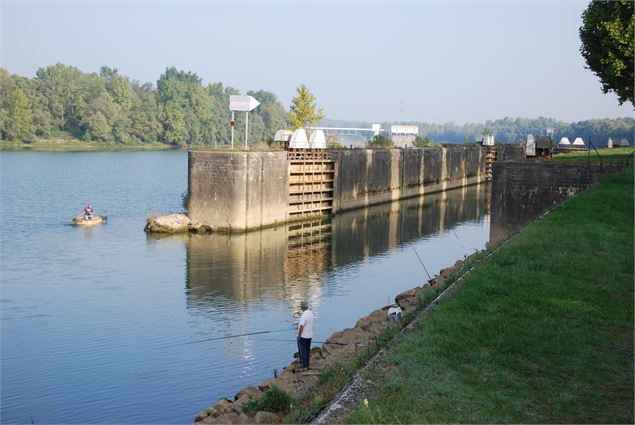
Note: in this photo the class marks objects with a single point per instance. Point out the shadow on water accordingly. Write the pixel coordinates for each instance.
(279, 261)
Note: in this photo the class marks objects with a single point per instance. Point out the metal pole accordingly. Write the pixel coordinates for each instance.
(246, 128)
(232, 126)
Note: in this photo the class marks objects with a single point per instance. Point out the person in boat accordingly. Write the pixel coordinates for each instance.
(89, 213)
(305, 334)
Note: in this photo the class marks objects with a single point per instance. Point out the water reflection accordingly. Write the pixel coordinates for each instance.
(288, 262)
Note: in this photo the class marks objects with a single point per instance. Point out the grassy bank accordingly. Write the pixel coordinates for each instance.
(604, 155)
(541, 331)
(74, 145)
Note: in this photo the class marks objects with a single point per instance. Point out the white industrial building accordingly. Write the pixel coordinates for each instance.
(403, 135)
(564, 142)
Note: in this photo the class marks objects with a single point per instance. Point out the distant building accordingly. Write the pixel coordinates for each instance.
(539, 146)
(404, 135)
(564, 142)
(544, 146)
(488, 140)
(609, 144)
(624, 143)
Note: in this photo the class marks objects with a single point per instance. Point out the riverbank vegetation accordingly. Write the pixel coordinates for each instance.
(74, 145)
(541, 331)
(65, 105)
(512, 130)
(69, 106)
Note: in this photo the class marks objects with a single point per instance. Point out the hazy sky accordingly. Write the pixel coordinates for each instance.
(461, 61)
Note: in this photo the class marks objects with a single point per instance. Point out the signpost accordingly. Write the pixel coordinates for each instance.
(245, 104)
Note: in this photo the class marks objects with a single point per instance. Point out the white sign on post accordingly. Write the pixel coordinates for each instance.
(244, 104)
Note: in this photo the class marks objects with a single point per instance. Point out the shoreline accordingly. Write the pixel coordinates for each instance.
(337, 360)
(339, 384)
(532, 332)
(64, 145)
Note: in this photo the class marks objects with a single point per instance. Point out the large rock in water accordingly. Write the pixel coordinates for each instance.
(171, 223)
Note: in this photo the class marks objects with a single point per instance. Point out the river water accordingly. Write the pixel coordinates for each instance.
(104, 324)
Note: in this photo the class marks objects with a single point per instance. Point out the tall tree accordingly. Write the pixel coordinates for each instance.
(144, 114)
(186, 107)
(303, 111)
(19, 123)
(607, 45)
(118, 87)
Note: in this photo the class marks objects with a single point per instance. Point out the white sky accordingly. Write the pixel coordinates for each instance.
(460, 61)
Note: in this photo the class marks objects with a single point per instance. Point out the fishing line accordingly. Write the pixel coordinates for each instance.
(424, 266)
(312, 341)
(462, 244)
(231, 336)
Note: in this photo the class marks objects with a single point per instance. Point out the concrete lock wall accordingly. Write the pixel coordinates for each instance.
(237, 191)
(367, 177)
(521, 190)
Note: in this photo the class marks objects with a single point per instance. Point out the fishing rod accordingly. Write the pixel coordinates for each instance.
(231, 336)
(424, 266)
(312, 341)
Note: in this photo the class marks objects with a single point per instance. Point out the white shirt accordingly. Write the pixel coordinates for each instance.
(306, 320)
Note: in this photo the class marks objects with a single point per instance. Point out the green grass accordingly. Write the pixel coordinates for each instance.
(540, 332)
(334, 378)
(606, 155)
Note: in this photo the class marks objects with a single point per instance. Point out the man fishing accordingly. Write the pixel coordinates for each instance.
(89, 213)
(305, 333)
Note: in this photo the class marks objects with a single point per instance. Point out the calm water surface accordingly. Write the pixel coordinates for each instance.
(100, 325)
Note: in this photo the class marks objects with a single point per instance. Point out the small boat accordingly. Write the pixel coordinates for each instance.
(81, 221)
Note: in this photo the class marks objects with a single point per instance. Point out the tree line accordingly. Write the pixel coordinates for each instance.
(64, 102)
(512, 130)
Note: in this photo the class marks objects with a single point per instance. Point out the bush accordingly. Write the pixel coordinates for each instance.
(333, 143)
(379, 141)
(425, 142)
(274, 400)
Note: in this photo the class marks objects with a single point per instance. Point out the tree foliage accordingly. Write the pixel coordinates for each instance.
(63, 102)
(607, 45)
(107, 107)
(512, 130)
(423, 142)
(304, 111)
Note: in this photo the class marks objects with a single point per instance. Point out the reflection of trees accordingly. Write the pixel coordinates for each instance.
(285, 262)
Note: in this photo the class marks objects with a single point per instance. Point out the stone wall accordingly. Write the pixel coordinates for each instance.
(521, 190)
(367, 177)
(237, 191)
